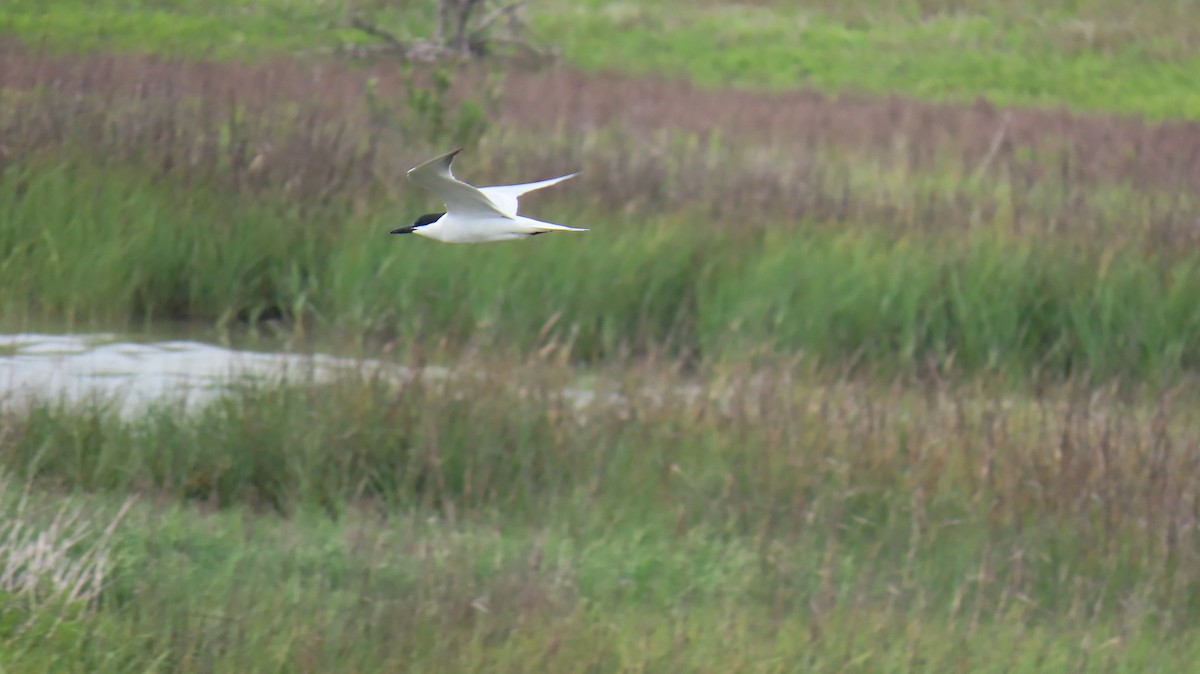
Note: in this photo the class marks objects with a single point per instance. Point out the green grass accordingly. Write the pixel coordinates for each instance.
(1087, 54)
(222, 29)
(234, 593)
(362, 525)
(114, 247)
(989, 303)
(1008, 59)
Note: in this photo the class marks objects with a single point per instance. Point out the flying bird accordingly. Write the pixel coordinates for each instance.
(476, 214)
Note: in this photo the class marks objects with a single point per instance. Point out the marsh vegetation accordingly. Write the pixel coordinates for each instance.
(898, 381)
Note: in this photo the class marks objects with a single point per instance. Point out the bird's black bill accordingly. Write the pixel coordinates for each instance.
(427, 219)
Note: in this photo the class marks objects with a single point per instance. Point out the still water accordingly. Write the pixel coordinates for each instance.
(134, 373)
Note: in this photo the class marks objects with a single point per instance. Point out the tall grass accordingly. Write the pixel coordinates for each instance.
(489, 522)
(113, 246)
(989, 302)
(134, 191)
(321, 122)
(736, 442)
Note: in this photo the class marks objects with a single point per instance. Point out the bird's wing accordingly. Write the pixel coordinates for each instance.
(505, 196)
(461, 198)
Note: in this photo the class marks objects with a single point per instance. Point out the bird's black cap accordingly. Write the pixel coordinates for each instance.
(427, 219)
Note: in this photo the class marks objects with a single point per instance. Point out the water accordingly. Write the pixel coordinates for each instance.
(75, 368)
(135, 373)
(177, 366)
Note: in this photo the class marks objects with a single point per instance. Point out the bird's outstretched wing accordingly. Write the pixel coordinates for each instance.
(461, 198)
(505, 196)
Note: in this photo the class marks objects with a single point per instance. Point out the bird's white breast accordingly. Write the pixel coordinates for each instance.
(450, 229)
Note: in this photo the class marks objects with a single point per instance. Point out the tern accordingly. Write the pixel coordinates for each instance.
(476, 214)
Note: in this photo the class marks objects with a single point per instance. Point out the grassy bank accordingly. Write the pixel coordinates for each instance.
(766, 523)
(1087, 54)
(115, 245)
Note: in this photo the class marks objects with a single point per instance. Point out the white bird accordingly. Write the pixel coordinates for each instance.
(475, 214)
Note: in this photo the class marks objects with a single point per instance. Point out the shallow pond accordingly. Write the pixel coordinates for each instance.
(135, 372)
